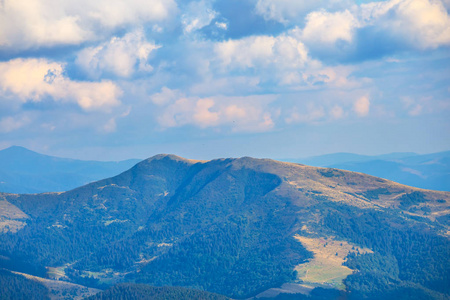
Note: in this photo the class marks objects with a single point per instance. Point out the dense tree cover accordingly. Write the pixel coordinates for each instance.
(374, 194)
(234, 260)
(408, 258)
(76, 276)
(131, 291)
(19, 264)
(17, 287)
(413, 198)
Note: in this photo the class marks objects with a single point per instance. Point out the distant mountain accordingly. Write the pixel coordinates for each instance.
(25, 171)
(429, 171)
(343, 157)
(237, 227)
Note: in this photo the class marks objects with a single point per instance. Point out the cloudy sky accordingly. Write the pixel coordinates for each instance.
(115, 79)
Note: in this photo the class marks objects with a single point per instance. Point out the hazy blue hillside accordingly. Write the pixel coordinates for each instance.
(25, 171)
(428, 171)
(343, 157)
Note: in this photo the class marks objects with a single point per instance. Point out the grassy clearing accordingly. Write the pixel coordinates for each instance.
(62, 290)
(107, 223)
(11, 217)
(326, 268)
(56, 273)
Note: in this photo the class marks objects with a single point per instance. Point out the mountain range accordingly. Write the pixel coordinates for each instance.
(242, 228)
(427, 171)
(25, 171)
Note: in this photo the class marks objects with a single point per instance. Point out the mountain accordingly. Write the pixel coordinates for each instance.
(237, 227)
(25, 171)
(429, 171)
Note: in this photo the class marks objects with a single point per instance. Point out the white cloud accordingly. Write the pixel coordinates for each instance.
(421, 23)
(119, 56)
(284, 51)
(9, 124)
(222, 25)
(311, 114)
(44, 23)
(362, 106)
(334, 77)
(34, 79)
(198, 15)
(327, 28)
(238, 113)
(166, 96)
(285, 11)
(282, 59)
(424, 105)
(282, 10)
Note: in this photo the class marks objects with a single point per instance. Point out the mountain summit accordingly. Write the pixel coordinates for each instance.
(238, 227)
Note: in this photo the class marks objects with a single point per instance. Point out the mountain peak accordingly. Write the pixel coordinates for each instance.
(172, 157)
(17, 149)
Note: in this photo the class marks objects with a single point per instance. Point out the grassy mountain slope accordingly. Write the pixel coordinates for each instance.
(239, 227)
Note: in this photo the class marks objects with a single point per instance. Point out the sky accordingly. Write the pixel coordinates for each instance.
(112, 79)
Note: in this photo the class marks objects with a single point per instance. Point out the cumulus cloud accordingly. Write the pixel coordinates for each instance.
(282, 59)
(421, 23)
(35, 23)
(239, 113)
(376, 29)
(166, 96)
(256, 51)
(222, 25)
(362, 106)
(34, 79)
(328, 28)
(198, 15)
(119, 56)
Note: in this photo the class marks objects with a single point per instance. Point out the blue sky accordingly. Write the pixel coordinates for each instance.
(110, 79)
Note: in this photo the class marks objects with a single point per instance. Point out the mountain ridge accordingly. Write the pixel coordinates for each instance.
(26, 171)
(229, 226)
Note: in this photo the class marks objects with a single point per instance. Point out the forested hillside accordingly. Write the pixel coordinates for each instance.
(237, 227)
